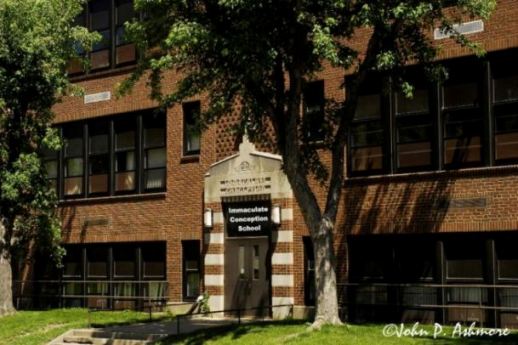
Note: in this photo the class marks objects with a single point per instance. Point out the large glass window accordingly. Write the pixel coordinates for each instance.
(191, 269)
(98, 158)
(367, 136)
(309, 272)
(51, 165)
(125, 155)
(73, 160)
(191, 128)
(314, 112)
(119, 152)
(413, 131)
(505, 109)
(154, 152)
(107, 18)
(462, 117)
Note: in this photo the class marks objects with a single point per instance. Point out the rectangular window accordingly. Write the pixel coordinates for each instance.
(115, 154)
(462, 117)
(367, 136)
(413, 131)
(97, 262)
(124, 262)
(464, 260)
(191, 269)
(191, 128)
(99, 21)
(125, 155)
(505, 111)
(98, 158)
(73, 262)
(51, 165)
(154, 152)
(309, 271)
(124, 50)
(314, 111)
(107, 18)
(73, 160)
(153, 261)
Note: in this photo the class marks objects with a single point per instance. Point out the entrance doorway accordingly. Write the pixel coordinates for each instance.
(247, 276)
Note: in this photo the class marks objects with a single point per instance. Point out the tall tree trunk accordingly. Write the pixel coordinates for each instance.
(325, 277)
(6, 278)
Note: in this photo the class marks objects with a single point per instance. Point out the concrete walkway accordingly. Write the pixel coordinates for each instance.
(140, 333)
(186, 325)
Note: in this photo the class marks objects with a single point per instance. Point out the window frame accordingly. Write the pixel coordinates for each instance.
(189, 109)
(136, 118)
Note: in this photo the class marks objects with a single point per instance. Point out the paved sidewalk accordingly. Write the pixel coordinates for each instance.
(187, 325)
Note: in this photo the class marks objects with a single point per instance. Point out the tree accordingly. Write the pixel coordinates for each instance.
(260, 55)
(37, 39)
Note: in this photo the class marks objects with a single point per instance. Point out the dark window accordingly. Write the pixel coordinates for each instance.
(98, 158)
(99, 20)
(125, 155)
(191, 128)
(314, 112)
(191, 269)
(73, 262)
(107, 18)
(464, 260)
(415, 260)
(309, 272)
(125, 50)
(113, 155)
(413, 131)
(505, 110)
(153, 261)
(462, 117)
(73, 160)
(97, 262)
(367, 136)
(507, 257)
(124, 261)
(154, 152)
(51, 165)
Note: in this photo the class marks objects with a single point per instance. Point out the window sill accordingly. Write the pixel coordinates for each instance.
(466, 172)
(113, 198)
(194, 158)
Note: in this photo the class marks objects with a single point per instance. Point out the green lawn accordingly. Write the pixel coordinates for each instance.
(39, 327)
(296, 333)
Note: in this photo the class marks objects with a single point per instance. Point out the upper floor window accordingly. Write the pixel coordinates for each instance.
(367, 134)
(113, 49)
(314, 111)
(106, 157)
(462, 117)
(191, 128)
(505, 109)
(154, 152)
(413, 130)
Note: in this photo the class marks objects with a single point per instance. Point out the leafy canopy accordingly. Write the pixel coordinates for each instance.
(37, 39)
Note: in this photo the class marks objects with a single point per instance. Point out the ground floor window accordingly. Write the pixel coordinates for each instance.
(444, 278)
(191, 269)
(309, 272)
(102, 276)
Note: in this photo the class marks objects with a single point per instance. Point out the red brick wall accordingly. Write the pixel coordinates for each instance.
(371, 205)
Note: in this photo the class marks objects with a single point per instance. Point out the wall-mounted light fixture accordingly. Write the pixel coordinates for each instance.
(276, 214)
(207, 218)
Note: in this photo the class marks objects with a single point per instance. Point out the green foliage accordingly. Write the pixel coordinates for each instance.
(204, 304)
(37, 40)
(234, 51)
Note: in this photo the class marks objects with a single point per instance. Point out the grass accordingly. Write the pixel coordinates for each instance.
(40, 327)
(296, 333)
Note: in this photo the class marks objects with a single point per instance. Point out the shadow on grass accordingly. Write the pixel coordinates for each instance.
(104, 324)
(511, 339)
(234, 331)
